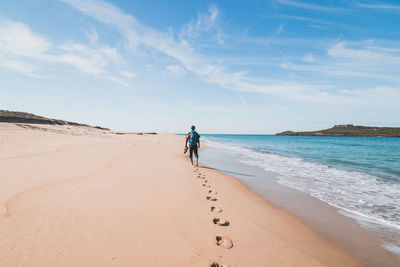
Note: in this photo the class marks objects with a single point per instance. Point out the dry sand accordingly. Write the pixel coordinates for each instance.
(78, 196)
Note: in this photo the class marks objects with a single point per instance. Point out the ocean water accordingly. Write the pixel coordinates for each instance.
(358, 175)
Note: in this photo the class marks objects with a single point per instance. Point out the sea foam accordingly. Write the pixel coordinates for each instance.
(367, 198)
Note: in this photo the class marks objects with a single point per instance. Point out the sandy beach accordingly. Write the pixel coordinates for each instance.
(79, 196)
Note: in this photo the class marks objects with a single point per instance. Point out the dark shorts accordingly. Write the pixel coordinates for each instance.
(193, 148)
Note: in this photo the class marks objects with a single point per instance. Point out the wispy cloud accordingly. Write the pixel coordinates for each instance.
(92, 36)
(19, 66)
(280, 29)
(203, 23)
(377, 5)
(17, 39)
(139, 36)
(384, 97)
(308, 57)
(22, 50)
(317, 23)
(363, 59)
(128, 74)
(90, 60)
(18, 42)
(302, 18)
(298, 4)
(175, 70)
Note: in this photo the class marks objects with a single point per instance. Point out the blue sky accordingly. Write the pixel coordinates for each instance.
(225, 66)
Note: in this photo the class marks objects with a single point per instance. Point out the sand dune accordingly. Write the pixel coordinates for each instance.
(80, 196)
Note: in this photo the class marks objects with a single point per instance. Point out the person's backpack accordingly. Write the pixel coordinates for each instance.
(194, 138)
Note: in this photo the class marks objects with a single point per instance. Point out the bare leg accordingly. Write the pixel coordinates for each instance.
(191, 160)
(197, 161)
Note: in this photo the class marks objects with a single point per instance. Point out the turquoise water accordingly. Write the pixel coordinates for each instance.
(358, 175)
(378, 156)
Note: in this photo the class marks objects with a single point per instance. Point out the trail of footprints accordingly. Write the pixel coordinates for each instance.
(221, 241)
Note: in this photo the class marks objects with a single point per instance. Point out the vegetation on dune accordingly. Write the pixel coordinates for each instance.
(23, 117)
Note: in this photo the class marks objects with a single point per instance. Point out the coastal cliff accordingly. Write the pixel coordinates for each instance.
(349, 130)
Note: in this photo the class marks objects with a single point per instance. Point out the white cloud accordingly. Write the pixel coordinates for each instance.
(366, 58)
(378, 5)
(128, 74)
(316, 7)
(280, 29)
(220, 37)
(342, 50)
(118, 79)
(341, 60)
(94, 61)
(244, 102)
(22, 50)
(175, 70)
(84, 64)
(110, 15)
(92, 36)
(301, 18)
(204, 23)
(308, 58)
(17, 39)
(140, 36)
(215, 108)
(21, 67)
(363, 59)
(380, 96)
(17, 42)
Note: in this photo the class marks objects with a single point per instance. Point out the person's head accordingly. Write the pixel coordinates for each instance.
(193, 127)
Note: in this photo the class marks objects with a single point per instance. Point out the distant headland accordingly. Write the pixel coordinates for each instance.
(350, 130)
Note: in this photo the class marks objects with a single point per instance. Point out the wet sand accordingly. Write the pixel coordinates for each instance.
(326, 220)
(78, 196)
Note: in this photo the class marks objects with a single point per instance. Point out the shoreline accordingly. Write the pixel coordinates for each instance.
(78, 196)
(326, 220)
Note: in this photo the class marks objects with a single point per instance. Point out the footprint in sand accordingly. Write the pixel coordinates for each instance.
(211, 198)
(216, 209)
(204, 184)
(220, 222)
(210, 191)
(216, 264)
(224, 242)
